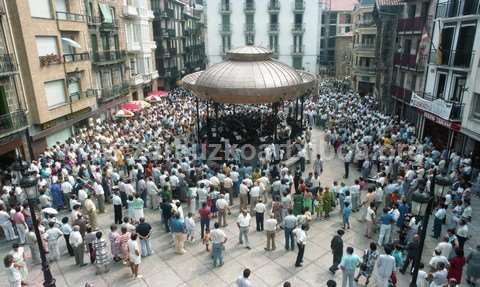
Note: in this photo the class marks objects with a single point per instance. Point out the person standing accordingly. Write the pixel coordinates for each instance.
(167, 213)
(102, 258)
(259, 214)
(218, 238)
(100, 195)
(31, 241)
(76, 241)
(222, 207)
(66, 230)
(455, 269)
(243, 223)
(439, 217)
(20, 224)
(254, 196)
(337, 250)
(243, 190)
(91, 212)
(144, 230)
(52, 235)
(190, 226)
(473, 267)
(134, 255)
(289, 224)
(462, 233)
(18, 254)
(349, 264)
(13, 275)
(385, 228)
(370, 218)
(271, 228)
(6, 224)
(301, 238)
(369, 258)
(205, 216)
(412, 250)
(178, 229)
(318, 165)
(385, 267)
(347, 210)
(347, 160)
(117, 208)
(242, 280)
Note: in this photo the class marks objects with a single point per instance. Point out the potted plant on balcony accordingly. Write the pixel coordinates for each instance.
(50, 59)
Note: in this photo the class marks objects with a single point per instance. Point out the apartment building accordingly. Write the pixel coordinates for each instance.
(137, 18)
(280, 25)
(449, 109)
(55, 66)
(336, 30)
(364, 41)
(13, 109)
(175, 25)
(413, 28)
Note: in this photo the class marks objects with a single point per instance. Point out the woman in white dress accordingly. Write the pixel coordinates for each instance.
(13, 275)
(134, 255)
(18, 255)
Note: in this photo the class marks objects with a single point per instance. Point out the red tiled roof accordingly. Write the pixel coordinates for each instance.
(342, 5)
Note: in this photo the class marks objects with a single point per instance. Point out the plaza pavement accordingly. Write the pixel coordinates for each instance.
(164, 268)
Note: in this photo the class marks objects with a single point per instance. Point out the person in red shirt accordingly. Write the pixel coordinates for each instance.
(205, 216)
(19, 221)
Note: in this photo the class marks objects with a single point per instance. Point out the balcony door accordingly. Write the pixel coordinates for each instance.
(3, 102)
(458, 88)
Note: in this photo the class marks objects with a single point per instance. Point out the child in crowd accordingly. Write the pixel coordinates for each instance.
(347, 210)
(206, 239)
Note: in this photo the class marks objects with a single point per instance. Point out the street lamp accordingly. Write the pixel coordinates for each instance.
(29, 185)
(422, 205)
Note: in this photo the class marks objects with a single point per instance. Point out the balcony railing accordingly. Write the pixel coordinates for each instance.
(51, 59)
(130, 11)
(274, 7)
(365, 23)
(298, 50)
(76, 57)
(455, 58)
(109, 26)
(249, 7)
(115, 91)
(273, 28)
(401, 93)
(7, 64)
(225, 29)
(249, 28)
(108, 56)
(225, 9)
(365, 69)
(364, 46)
(67, 16)
(455, 8)
(75, 96)
(456, 112)
(12, 121)
(411, 24)
(298, 28)
(298, 6)
(93, 20)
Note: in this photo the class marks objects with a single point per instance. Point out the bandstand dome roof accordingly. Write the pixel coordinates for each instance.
(249, 76)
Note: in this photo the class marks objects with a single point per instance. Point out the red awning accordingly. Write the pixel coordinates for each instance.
(131, 107)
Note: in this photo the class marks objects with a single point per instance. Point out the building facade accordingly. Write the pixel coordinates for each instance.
(413, 28)
(336, 22)
(449, 108)
(290, 28)
(13, 109)
(137, 18)
(364, 41)
(343, 56)
(178, 25)
(55, 65)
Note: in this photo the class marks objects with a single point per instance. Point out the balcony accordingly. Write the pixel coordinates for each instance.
(51, 59)
(225, 9)
(298, 28)
(431, 105)
(108, 94)
(7, 65)
(93, 21)
(12, 122)
(298, 50)
(365, 23)
(299, 6)
(136, 80)
(130, 11)
(166, 54)
(109, 26)
(133, 46)
(411, 24)
(401, 93)
(66, 16)
(149, 45)
(249, 7)
(364, 46)
(362, 69)
(108, 57)
(172, 51)
(274, 7)
(249, 28)
(225, 29)
(76, 96)
(155, 74)
(147, 78)
(273, 28)
(145, 13)
(461, 59)
(410, 61)
(76, 57)
(457, 8)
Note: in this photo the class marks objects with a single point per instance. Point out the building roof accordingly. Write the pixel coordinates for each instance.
(342, 5)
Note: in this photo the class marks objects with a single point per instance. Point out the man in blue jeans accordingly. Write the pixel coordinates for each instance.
(289, 223)
(144, 231)
(218, 238)
(204, 219)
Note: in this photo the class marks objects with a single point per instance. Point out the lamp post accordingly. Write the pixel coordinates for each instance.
(29, 185)
(422, 205)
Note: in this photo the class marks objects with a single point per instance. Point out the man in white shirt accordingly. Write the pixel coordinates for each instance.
(437, 257)
(152, 192)
(218, 238)
(243, 223)
(270, 228)
(243, 195)
(100, 195)
(222, 206)
(66, 189)
(445, 247)
(254, 196)
(259, 214)
(301, 239)
(242, 280)
(385, 265)
(76, 241)
(228, 188)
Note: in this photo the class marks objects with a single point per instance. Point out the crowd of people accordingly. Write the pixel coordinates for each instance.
(150, 161)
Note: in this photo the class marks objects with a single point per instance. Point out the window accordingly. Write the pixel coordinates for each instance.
(274, 19)
(463, 52)
(333, 18)
(73, 81)
(476, 106)
(411, 11)
(298, 19)
(46, 45)
(55, 93)
(133, 67)
(105, 42)
(297, 62)
(347, 29)
(458, 88)
(40, 8)
(446, 44)
(440, 87)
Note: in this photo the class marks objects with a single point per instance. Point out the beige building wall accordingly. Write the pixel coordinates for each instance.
(343, 56)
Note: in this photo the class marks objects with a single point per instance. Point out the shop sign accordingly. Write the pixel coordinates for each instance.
(437, 107)
(442, 122)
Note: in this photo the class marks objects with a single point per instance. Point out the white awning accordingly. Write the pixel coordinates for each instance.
(71, 43)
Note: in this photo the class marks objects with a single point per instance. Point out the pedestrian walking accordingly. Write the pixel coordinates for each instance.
(205, 216)
(301, 239)
(190, 226)
(386, 224)
(347, 210)
(349, 264)
(242, 280)
(370, 256)
(384, 267)
(336, 245)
